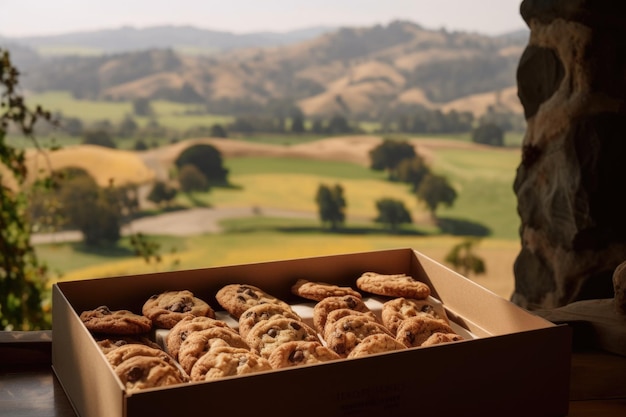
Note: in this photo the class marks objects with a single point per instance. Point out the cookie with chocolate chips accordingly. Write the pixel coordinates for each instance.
(334, 315)
(261, 312)
(268, 334)
(414, 331)
(393, 285)
(439, 338)
(201, 342)
(237, 298)
(117, 322)
(375, 343)
(398, 309)
(227, 361)
(112, 342)
(300, 352)
(140, 372)
(328, 304)
(169, 307)
(317, 291)
(188, 325)
(346, 333)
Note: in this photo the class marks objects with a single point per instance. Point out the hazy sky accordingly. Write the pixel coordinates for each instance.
(44, 17)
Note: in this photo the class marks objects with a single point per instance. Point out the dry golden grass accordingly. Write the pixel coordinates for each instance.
(478, 104)
(104, 164)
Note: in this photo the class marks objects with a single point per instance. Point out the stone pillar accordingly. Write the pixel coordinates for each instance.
(571, 181)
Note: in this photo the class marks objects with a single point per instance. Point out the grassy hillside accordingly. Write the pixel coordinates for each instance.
(482, 177)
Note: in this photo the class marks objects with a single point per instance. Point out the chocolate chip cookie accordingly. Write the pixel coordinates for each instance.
(169, 307)
(317, 291)
(110, 343)
(398, 309)
(375, 343)
(340, 313)
(346, 333)
(117, 322)
(439, 338)
(268, 334)
(414, 331)
(328, 304)
(186, 326)
(227, 361)
(200, 342)
(298, 353)
(261, 312)
(142, 372)
(237, 298)
(393, 285)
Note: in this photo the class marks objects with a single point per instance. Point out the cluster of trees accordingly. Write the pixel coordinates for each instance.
(402, 163)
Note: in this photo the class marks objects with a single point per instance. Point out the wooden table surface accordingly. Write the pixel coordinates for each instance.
(29, 388)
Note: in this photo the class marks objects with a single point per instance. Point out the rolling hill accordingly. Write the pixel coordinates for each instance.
(360, 72)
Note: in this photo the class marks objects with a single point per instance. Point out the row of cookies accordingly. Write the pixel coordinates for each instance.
(270, 333)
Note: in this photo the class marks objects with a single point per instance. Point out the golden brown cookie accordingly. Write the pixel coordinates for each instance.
(300, 353)
(340, 313)
(169, 307)
(439, 338)
(123, 353)
(398, 309)
(141, 372)
(346, 333)
(328, 304)
(202, 341)
(183, 328)
(269, 334)
(317, 291)
(375, 343)
(414, 331)
(110, 343)
(118, 322)
(261, 312)
(393, 285)
(227, 361)
(237, 298)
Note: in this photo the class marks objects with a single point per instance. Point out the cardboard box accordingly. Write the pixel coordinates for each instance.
(518, 365)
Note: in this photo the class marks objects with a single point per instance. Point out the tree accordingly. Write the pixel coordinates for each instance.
(488, 134)
(463, 259)
(338, 125)
(142, 107)
(128, 127)
(99, 138)
(23, 295)
(206, 159)
(218, 131)
(297, 123)
(435, 190)
(388, 155)
(161, 192)
(392, 213)
(97, 212)
(412, 171)
(192, 179)
(331, 205)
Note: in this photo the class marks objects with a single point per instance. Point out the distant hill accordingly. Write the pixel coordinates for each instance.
(180, 38)
(363, 72)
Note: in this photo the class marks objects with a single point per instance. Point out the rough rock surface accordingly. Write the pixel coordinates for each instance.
(570, 182)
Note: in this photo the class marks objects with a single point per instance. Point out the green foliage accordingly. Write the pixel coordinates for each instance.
(142, 107)
(218, 131)
(331, 205)
(387, 155)
(488, 134)
(412, 171)
(435, 190)
(206, 159)
(162, 193)
(392, 213)
(22, 276)
(463, 259)
(99, 138)
(192, 179)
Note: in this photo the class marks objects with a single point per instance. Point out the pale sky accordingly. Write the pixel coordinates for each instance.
(46, 17)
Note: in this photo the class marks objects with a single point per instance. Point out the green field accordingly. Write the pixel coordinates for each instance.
(486, 203)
